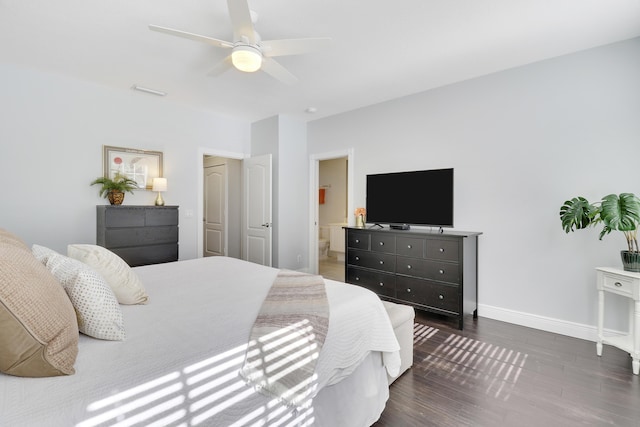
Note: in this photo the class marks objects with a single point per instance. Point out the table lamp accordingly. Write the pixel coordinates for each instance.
(159, 185)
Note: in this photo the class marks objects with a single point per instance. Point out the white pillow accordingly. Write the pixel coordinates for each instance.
(123, 281)
(42, 253)
(97, 309)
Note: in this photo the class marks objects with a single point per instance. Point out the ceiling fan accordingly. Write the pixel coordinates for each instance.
(248, 52)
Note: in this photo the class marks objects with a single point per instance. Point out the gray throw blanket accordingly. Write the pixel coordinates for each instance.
(286, 338)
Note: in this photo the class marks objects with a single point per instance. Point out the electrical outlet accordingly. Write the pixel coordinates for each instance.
(299, 258)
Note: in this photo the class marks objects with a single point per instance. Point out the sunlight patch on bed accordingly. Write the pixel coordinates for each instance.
(200, 392)
(478, 364)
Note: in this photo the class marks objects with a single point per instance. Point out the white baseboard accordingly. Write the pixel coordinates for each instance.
(563, 327)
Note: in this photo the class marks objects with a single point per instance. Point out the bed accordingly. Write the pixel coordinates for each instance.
(179, 362)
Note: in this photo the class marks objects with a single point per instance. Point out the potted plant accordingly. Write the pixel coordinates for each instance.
(114, 189)
(616, 213)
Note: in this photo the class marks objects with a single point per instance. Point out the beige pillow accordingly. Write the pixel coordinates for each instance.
(121, 278)
(38, 328)
(99, 314)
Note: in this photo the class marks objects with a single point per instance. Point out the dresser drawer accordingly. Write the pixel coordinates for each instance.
(410, 246)
(443, 249)
(378, 261)
(127, 216)
(154, 216)
(383, 243)
(140, 236)
(123, 216)
(618, 284)
(435, 270)
(148, 255)
(378, 282)
(358, 239)
(430, 294)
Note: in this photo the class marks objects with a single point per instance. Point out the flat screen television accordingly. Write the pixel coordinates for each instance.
(411, 198)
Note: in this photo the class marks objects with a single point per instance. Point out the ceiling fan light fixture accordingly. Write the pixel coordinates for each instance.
(246, 58)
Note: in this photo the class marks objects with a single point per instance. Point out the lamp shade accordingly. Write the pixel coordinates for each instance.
(246, 58)
(159, 184)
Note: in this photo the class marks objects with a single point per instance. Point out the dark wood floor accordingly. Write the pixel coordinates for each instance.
(498, 374)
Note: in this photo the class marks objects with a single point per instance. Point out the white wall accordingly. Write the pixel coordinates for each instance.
(293, 175)
(521, 141)
(285, 139)
(52, 129)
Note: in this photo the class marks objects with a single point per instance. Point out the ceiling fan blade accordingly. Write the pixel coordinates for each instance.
(191, 36)
(293, 46)
(221, 67)
(241, 21)
(277, 71)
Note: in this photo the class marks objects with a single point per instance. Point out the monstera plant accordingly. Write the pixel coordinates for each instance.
(615, 213)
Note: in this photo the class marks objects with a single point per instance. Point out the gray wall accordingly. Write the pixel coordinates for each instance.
(521, 141)
(285, 139)
(51, 134)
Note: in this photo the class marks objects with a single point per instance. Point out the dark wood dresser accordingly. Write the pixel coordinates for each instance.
(432, 271)
(140, 235)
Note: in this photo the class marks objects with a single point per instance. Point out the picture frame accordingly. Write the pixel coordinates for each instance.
(139, 165)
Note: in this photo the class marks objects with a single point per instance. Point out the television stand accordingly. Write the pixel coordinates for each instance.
(399, 226)
(435, 272)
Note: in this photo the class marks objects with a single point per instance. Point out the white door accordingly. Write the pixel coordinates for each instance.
(256, 224)
(214, 210)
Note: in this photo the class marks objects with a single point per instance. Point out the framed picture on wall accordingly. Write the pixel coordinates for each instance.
(139, 165)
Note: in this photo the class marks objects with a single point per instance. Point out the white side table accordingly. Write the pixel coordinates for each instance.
(626, 284)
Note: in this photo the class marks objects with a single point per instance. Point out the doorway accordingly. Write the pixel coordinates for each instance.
(332, 216)
(236, 219)
(331, 187)
(222, 186)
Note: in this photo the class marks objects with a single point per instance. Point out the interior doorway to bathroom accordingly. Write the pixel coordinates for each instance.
(333, 200)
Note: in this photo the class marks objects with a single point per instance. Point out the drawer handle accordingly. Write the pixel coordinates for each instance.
(357, 279)
(617, 284)
(408, 267)
(408, 246)
(357, 240)
(381, 262)
(381, 243)
(357, 258)
(441, 271)
(408, 289)
(441, 249)
(381, 284)
(440, 297)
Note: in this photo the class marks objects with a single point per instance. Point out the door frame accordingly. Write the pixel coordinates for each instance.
(205, 151)
(314, 206)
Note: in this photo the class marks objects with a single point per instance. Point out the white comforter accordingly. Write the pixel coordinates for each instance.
(179, 364)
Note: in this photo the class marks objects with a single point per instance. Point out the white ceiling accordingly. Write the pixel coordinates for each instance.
(380, 50)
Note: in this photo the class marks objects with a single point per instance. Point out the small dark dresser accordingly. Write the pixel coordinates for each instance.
(140, 235)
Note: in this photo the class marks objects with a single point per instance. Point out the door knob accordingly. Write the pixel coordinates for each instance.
(266, 224)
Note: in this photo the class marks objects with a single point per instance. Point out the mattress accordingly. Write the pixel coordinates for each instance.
(179, 363)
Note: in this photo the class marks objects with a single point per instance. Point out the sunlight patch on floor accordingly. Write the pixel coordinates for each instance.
(478, 364)
(422, 333)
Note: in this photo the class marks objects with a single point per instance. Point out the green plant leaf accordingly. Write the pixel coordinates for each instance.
(577, 213)
(119, 183)
(621, 212)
